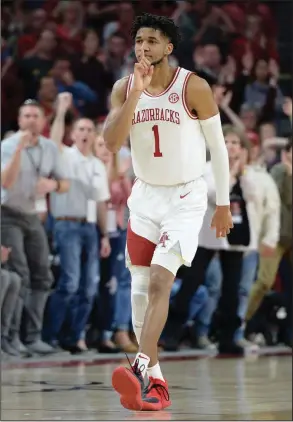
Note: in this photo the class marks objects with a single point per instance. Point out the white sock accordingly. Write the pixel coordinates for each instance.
(155, 372)
(141, 361)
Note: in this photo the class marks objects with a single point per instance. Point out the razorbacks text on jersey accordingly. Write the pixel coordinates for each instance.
(167, 143)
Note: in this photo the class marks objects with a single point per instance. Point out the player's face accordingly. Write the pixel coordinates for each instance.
(31, 118)
(233, 145)
(83, 133)
(154, 44)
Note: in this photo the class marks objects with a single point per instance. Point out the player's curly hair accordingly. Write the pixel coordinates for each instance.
(162, 23)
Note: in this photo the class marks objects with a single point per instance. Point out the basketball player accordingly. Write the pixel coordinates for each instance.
(169, 113)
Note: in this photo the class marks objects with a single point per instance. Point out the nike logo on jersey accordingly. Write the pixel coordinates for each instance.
(183, 196)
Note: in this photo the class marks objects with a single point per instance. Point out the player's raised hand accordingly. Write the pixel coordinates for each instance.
(143, 73)
(222, 221)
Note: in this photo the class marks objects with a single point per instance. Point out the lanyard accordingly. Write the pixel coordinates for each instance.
(33, 162)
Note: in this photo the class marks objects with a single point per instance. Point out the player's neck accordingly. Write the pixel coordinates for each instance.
(163, 74)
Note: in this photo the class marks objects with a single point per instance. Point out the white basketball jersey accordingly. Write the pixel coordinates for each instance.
(167, 143)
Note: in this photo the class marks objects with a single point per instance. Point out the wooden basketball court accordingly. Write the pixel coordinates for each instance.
(252, 388)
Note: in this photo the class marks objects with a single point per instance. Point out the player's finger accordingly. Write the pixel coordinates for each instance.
(144, 64)
(151, 71)
(146, 61)
(142, 55)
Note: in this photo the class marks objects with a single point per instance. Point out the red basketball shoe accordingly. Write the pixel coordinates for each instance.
(156, 395)
(130, 385)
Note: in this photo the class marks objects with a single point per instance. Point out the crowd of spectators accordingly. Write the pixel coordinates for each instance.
(60, 59)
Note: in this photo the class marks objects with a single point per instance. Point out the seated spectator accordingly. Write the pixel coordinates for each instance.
(10, 288)
(76, 215)
(87, 68)
(82, 94)
(37, 63)
(30, 169)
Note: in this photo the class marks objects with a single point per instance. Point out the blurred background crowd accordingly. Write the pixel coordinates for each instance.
(64, 284)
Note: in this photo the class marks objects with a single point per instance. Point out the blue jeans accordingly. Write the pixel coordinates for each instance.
(213, 283)
(249, 268)
(123, 298)
(78, 248)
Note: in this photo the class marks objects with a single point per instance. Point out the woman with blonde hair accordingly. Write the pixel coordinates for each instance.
(115, 299)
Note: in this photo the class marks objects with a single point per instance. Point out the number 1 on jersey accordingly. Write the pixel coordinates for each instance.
(157, 152)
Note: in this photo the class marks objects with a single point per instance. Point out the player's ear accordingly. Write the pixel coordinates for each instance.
(169, 49)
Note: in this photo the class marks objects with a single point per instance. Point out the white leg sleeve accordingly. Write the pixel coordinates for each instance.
(140, 278)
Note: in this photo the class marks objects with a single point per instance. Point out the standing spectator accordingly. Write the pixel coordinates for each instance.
(37, 63)
(82, 94)
(10, 288)
(30, 169)
(244, 205)
(76, 214)
(114, 304)
(267, 226)
(269, 263)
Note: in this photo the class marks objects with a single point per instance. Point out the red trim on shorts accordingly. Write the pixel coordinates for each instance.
(184, 96)
(168, 87)
(140, 249)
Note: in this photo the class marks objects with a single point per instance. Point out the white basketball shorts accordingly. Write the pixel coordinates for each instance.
(164, 219)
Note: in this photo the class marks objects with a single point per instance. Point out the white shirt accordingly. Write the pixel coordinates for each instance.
(88, 182)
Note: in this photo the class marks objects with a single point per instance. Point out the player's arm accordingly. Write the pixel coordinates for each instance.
(119, 120)
(201, 100)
